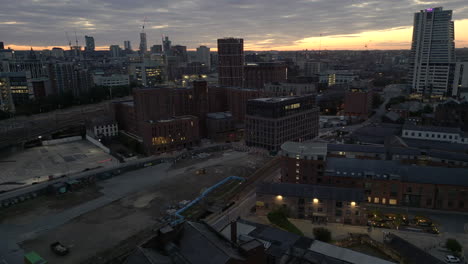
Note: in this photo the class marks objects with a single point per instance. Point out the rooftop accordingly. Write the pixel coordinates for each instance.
(219, 115)
(392, 169)
(440, 129)
(274, 99)
(303, 148)
(311, 191)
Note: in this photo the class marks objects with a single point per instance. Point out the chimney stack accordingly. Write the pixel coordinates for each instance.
(234, 232)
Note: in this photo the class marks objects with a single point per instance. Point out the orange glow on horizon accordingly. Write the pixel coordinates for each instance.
(389, 39)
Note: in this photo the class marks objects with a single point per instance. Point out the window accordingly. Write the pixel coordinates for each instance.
(408, 189)
(339, 204)
(429, 202)
(376, 200)
(356, 213)
(338, 213)
(392, 201)
(320, 209)
(384, 201)
(461, 204)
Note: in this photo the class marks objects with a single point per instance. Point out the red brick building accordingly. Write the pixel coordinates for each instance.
(358, 103)
(315, 202)
(257, 75)
(237, 101)
(385, 182)
(125, 116)
(170, 134)
(230, 62)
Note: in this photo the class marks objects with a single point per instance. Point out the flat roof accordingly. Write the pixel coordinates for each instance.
(303, 148)
(388, 169)
(441, 129)
(348, 255)
(219, 115)
(275, 99)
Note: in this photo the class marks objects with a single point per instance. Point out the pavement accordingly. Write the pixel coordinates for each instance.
(38, 163)
(106, 214)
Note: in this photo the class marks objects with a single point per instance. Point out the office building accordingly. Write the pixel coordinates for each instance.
(114, 51)
(203, 56)
(269, 122)
(230, 62)
(180, 52)
(57, 53)
(90, 46)
(256, 75)
(460, 80)
(143, 43)
(2, 46)
(434, 133)
(432, 57)
(313, 68)
(156, 49)
(127, 45)
(14, 90)
(167, 46)
(278, 89)
(112, 80)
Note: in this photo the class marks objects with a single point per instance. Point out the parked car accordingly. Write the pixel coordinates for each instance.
(451, 259)
(59, 249)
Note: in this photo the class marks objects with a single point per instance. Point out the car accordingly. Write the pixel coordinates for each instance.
(451, 259)
(59, 249)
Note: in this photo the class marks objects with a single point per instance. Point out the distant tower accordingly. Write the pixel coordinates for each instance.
(127, 45)
(230, 62)
(143, 43)
(166, 46)
(89, 43)
(2, 47)
(203, 55)
(114, 50)
(432, 57)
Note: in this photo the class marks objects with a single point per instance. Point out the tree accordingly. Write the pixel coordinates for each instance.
(322, 234)
(453, 245)
(376, 100)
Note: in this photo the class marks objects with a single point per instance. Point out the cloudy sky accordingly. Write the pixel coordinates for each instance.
(264, 24)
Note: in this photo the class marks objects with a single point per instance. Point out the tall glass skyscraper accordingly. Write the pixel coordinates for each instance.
(432, 58)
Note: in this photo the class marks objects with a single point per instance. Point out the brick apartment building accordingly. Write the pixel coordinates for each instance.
(386, 182)
(170, 134)
(272, 121)
(230, 62)
(237, 101)
(315, 202)
(358, 103)
(221, 128)
(257, 75)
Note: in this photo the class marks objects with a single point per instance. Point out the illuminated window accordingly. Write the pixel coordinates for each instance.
(376, 199)
(392, 201)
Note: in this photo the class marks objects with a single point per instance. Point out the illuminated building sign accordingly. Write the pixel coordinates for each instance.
(292, 106)
(429, 9)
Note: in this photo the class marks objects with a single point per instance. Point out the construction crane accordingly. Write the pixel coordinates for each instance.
(76, 39)
(69, 41)
(145, 19)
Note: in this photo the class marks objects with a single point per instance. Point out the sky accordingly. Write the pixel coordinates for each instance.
(264, 24)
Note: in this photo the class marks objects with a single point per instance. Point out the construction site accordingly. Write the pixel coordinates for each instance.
(121, 211)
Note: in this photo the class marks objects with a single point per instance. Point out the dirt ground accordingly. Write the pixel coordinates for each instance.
(47, 204)
(105, 227)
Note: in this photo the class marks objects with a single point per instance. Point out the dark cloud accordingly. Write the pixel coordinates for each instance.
(192, 22)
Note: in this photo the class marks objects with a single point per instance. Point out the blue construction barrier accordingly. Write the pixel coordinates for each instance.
(181, 218)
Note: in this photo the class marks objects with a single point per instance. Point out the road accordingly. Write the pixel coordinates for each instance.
(388, 93)
(112, 189)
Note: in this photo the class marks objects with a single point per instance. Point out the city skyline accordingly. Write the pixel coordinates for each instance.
(263, 24)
